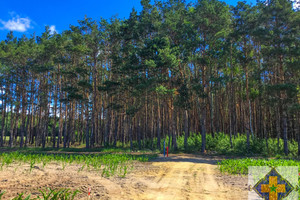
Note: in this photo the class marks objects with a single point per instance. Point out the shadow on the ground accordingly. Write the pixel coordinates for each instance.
(188, 158)
(75, 150)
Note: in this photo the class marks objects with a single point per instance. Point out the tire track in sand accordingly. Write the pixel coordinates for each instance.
(185, 177)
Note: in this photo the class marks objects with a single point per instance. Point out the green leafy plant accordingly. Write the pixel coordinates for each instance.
(110, 164)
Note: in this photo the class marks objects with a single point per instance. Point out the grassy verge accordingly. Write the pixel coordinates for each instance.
(240, 166)
(106, 164)
(48, 194)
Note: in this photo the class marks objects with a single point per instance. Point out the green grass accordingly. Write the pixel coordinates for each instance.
(110, 162)
(49, 194)
(106, 164)
(240, 166)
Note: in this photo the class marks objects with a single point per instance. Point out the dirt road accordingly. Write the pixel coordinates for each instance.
(177, 177)
(185, 177)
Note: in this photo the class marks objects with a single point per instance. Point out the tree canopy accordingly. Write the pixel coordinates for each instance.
(171, 69)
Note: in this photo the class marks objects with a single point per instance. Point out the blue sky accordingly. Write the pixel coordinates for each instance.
(29, 16)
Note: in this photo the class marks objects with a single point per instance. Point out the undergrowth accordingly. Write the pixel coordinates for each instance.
(48, 194)
(220, 144)
(106, 164)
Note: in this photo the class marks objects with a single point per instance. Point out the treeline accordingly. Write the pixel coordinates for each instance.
(172, 68)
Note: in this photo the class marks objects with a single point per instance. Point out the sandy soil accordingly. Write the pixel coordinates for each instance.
(177, 177)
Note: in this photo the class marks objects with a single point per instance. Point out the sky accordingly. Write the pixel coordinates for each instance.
(31, 16)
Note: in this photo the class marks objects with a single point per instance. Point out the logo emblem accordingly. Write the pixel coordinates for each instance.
(273, 186)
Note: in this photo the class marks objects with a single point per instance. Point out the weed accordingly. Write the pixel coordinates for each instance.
(110, 164)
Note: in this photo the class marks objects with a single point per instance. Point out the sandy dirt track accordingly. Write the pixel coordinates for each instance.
(177, 177)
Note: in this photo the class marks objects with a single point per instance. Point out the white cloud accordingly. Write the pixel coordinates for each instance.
(17, 23)
(52, 29)
(296, 4)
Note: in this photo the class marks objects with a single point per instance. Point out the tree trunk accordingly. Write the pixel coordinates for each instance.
(298, 126)
(139, 133)
(54, 119)
(174, 134)
(203, 127)
(285, 130)
(65, 126)
(116, 129)
(87, 129)
(186, 129)
(130, 131)
(3, 121)
(158, 124)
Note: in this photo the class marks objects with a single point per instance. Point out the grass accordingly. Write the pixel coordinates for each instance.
(106, 164)
(110, 162)
(240, 166)
(48, 194)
